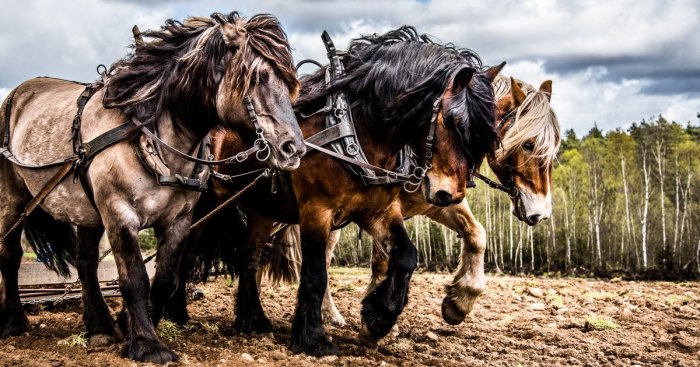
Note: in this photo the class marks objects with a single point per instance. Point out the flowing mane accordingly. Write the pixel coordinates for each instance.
(392, 80)
(179, 65)
(534, 119)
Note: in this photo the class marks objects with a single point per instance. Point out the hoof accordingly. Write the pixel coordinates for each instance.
(101, 341)
(317, 347)
(377, 321)
(152, 351)
(181, 318)
(452, 313)
(258, 324)
(14, 325)
(366, 337)
(122, 325)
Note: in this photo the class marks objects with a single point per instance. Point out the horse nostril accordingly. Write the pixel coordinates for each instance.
(288, 148)
(533, 219)
(443, 197)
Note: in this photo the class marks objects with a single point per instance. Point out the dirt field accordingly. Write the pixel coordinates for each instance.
(519, 321)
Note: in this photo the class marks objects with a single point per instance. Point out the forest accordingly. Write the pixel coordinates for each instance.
(625, 201)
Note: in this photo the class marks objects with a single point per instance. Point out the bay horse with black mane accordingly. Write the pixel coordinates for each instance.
(402, 89)
(530, 136)
(190, 78)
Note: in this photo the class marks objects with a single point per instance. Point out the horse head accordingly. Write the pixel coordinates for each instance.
(465, 121)
(258, 69)
(530, 137)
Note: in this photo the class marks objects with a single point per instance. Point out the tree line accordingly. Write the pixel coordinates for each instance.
(624, 200)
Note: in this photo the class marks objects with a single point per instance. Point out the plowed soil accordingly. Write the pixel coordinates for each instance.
(518, 321)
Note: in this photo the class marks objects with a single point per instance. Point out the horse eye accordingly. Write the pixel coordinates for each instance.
(264, 77)
(528, 146)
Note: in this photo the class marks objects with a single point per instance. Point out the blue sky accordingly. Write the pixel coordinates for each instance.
(612, 62)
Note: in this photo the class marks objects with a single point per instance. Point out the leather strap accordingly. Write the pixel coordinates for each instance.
(389, 174)
(331, 134)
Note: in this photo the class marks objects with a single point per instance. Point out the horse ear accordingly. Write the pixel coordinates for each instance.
(234, 33)
(492, 72)
(517, 92)
(138, 38)
(462, 78)
(546, 88)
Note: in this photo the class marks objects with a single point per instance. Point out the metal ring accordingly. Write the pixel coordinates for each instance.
(419, 172)
(265, 151)
(339, 112)
(103, 68)
(352, 149)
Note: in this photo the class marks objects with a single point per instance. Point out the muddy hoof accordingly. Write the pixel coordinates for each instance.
(451, 313)
(317, 347)
(258, 324)
(101, 341)
(14, 325)
(152, 351)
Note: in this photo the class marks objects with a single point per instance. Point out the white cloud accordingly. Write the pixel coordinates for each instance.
(3, 93)
(587, 96)
(604, 57)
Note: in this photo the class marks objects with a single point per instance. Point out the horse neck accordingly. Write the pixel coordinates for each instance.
(381, 150)
(180, 136)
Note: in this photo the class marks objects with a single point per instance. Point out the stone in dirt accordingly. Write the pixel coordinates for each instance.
(626, 314)
(277, 355)
(247, 357)
(538, 306)
(329, 359)
(431, 336)
(535, 292)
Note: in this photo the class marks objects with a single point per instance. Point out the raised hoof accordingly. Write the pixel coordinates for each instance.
(452, 313)
(15, 325)
(101, 341)
(258, 324)
(149, 351)
(317, 347)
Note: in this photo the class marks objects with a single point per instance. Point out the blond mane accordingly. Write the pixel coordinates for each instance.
(534, 120)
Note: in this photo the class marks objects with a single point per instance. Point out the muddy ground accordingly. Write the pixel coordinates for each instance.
(518, 321)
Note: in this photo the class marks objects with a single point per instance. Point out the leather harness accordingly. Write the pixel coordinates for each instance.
(342, 142)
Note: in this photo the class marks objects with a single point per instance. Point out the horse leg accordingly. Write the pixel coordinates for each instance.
(13, 321)
(171, 243)
(250, 316)
(96, 314)
(382, 307)
(141, 342)
(469, 280)
(329, 311)
(308, 335)
(380, 264)
(175, 309)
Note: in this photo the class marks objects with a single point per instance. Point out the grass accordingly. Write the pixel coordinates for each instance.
(556, 301)
(350, 271)
(75, 340)
(210, 327)
(347, 287)
(675, 299)
(29, 255)
(600, 295)
(600, 323)
(169, 330)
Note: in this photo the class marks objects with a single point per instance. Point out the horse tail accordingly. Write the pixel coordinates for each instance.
(54, 242)
(281, 258)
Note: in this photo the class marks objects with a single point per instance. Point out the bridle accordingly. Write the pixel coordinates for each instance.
(509, 186)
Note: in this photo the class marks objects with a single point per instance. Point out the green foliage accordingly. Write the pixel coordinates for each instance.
(599, 187)
(600, 323)
(147, 240)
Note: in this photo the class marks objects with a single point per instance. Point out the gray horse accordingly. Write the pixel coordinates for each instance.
(188, 78)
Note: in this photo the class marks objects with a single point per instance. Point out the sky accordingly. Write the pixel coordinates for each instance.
(611, 62)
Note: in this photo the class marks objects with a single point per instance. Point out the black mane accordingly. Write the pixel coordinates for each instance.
(393, 80)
